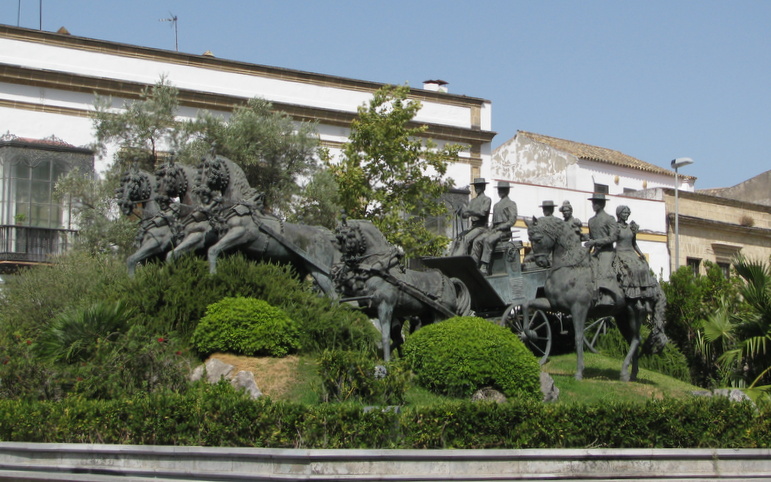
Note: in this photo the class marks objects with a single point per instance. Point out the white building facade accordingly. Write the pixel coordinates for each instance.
(48, 83)
(548, 168)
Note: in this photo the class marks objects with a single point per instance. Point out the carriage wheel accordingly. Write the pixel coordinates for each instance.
(534, 332)
(595, 330)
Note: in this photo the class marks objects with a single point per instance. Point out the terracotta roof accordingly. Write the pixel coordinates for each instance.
(598, 154)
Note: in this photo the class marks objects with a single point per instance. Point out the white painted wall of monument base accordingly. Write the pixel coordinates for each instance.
(85, 462)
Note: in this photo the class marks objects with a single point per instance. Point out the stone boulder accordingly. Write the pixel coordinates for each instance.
(214, 370)
(550, 391)
(488, 394)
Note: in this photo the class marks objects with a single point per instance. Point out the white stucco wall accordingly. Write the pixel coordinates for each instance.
(75, 127)
(650, 214)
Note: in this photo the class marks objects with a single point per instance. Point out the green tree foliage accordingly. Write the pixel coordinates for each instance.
(690, 300)
(99, 230)
(391, 175)
(245, 326)
(141, 129)
(275, 153)
(320, 203)
(463, 354)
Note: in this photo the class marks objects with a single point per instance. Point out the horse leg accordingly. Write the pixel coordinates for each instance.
(578, 313)
(385, 312)
(191, 242)
(234, 237)
(634, 318)
(144, 252)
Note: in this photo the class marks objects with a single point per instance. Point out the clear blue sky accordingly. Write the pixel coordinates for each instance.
(653, 79)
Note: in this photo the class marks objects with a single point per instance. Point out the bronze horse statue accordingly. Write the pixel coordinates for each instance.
(174, 196)
(571, 288)
(311, 250)
(219, 184)
(371, 274)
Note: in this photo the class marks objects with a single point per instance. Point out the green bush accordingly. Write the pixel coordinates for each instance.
(463, 354)
(172, 297)
(245, 326)
(670, 361)
(354, 376)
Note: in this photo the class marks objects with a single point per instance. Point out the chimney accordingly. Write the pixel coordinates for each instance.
(435, 85)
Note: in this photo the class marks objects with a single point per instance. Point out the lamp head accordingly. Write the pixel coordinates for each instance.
(680, 162)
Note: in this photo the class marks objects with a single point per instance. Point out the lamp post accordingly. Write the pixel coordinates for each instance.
(676, 164)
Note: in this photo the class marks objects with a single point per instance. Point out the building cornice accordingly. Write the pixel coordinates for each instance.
(206, 100)
(223, 65)
(708, 198)
(734, 228)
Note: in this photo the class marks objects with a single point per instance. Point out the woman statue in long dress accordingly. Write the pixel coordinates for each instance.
(634, 274)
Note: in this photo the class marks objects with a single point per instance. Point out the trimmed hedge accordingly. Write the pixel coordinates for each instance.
(216, 415)
(463, 354)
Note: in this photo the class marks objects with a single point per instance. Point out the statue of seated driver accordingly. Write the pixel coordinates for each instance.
(504, 217)
(477, 212)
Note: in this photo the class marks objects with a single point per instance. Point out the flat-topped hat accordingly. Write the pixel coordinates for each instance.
(479, 180)
(565, 206)
(503, 185)
(547, 204)
(598, 196)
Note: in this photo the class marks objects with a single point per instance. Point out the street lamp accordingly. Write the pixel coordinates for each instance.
(676, 164)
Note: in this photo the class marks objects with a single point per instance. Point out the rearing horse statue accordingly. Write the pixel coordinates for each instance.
(570, 289)
(219, 184)
(174, 196)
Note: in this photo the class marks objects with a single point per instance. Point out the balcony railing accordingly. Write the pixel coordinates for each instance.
(27, 244)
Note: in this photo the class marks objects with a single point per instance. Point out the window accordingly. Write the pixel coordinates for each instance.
(601, 188)
(725, 268)
(629, 190)
(694, 264)
(28, 188)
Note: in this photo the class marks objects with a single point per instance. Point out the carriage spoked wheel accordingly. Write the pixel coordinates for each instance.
(535, 332)
(594, 330)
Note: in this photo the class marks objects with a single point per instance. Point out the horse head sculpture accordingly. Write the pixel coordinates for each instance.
(137, 188)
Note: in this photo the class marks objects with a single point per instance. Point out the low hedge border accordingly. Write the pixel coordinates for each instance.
(218, 416)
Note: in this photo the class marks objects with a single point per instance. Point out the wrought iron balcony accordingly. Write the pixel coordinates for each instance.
(26, 244)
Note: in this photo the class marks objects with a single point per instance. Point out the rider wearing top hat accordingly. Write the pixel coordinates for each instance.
(603, 232)
(477, 212)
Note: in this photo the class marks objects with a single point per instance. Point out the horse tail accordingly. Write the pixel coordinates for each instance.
(462, 296)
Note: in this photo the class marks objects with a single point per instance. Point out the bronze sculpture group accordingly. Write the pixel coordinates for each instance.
(213, 210)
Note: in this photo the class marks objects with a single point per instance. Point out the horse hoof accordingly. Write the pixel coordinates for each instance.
(579, 376)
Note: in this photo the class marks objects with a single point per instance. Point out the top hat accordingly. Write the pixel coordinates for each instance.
(565, 206)
(598, 196)
(548, 204)
(479, 180)
(503, 185)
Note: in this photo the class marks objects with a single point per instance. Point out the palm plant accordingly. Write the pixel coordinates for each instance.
(741, 337)
(75, 336)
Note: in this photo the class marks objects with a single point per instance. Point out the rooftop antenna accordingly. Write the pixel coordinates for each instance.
(173, 19)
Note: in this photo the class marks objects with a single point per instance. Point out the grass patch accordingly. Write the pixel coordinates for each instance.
(296, 379)
(601, 382)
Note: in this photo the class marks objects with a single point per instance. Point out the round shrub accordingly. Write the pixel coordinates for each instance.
(463, 354)
(245, 326)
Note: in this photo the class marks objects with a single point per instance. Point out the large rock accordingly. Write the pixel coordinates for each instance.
(488, 394)
(215, 370)
(550, 391)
